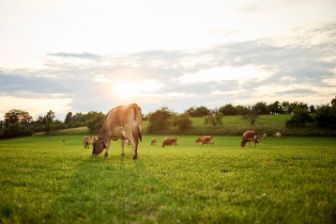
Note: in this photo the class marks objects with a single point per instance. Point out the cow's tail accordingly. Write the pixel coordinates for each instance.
(137, 118)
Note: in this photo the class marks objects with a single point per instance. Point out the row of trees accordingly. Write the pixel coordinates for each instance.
(19, 123)
(321, 116)
(260, 107)
(324, 116)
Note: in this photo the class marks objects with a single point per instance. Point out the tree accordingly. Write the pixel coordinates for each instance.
(285, 107)
(260, 108)
(48, 120)
(275, 108)
(326, 116)
(241, 110)
(159, 120)
(312, 109)
(96, 122)
(68, 119)
(214, 118)
(300, 118)
(198, 111)
(183, 122)
(16, 123)
(228, 109)
(251, 116)
(333, 102)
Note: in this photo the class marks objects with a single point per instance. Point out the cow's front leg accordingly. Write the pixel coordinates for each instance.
(122, 148)
(135, 151)
(107, 147)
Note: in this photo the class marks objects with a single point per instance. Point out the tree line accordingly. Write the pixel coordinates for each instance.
(19, 123)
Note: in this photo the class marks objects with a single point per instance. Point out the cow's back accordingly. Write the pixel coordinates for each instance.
(124, 122)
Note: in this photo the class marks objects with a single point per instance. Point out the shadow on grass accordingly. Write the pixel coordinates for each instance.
(112, 190)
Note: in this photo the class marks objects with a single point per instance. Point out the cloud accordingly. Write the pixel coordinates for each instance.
(83, 55)
(35, 105)
(300, 92)
(225, 73)
(300, 67)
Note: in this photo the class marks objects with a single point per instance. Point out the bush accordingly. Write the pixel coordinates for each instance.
(214, 118)
(326, 117)
(159, 120)
(95, 123)
(183, 122)
(228, 109)
(300, 118)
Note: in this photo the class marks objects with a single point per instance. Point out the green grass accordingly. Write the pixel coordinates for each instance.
(69, 131)
(285, 180)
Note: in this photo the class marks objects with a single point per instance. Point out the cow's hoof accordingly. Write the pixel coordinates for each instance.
(106, 155)
(122, 154)
(135, 157)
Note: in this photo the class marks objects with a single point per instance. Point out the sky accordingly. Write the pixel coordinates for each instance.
(81, 56)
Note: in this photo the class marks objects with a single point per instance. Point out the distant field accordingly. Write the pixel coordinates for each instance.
(285, 180)
(231, 125)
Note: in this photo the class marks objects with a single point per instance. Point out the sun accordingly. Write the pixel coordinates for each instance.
(126, 89)
(130, 89)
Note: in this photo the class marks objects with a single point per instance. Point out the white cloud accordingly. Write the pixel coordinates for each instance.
(35, 106)
(225, 73)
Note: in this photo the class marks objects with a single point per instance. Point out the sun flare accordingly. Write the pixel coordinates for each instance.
(131, 89)
(126, 89)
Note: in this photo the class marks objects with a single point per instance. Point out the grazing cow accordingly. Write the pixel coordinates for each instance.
(122, 122)
(277, 134)
(169, 141)
(264, 135)
(205, 140)
(153, 142)
(87, 141)
(249, 136)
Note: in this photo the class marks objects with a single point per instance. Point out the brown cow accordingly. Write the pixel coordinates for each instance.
(169, 141)
(153, 142)
(87, 141)
(205, 140)
(249, 136)
(127, 142)
(122, 122)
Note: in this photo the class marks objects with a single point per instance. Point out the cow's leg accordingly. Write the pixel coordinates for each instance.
(122, 148)
(135, 150)
(106, 152)
(107, 147)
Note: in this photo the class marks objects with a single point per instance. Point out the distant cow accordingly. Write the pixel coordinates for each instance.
(277, 134)
(122, 122)
(205, 140)
(169, 141)
(249, 136)
(264, 135)
(153, 142)
(87, 141)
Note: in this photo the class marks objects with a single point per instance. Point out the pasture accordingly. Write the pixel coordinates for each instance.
(284, 180)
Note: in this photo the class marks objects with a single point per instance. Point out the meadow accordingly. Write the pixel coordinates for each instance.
(283, 180)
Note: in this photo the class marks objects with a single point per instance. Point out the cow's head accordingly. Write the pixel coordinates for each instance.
(98, 146)
(243, 142)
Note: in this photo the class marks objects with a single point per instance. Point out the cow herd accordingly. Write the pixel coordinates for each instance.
(124, 123)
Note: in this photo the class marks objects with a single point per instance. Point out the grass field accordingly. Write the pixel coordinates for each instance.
(286, 180)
